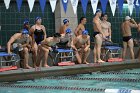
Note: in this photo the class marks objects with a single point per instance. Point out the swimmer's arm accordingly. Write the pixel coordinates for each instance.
(32, 35)
(98, 25)
(45, 41)
(133, 24)
(44, 30)
(139, 27)
(61, 30)
(74, 41)
(28, 44)
(110, 32)
(76, 30)
(88, 43)
(12, 39)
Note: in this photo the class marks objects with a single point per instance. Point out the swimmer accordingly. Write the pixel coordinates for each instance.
(81, 26)
(64, 26)
(98, 36)
(22, 43)
(81, 45)
(127, 36)
(47, 46)
(38, 33)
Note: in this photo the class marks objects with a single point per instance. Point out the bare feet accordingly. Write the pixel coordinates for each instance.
(28, 67)
(100, 61)
(85, 62)
(46, 66)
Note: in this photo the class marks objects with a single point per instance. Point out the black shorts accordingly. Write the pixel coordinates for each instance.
(126, 38)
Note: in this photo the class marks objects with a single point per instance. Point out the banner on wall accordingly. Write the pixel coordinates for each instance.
(137, 6)
(7, 2)
(74, 4)
(130, 6)
(94, 4)
(31, 4)
(65, 3)
(19, 3)
(113, 6)
(42, 4)
(53, 4)
(120, 5)
(84, 5)
(103, 4)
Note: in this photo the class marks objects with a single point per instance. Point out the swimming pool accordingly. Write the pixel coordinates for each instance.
(95, 82)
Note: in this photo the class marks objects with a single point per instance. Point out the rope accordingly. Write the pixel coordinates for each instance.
(53, 87)
(100, 79)
(72, 88)
(117, 73)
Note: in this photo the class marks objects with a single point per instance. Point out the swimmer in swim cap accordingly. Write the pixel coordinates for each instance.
(38, 33)
(127, 25)
(64, 27)
(21, 43)
(98, 36)
(81, 45)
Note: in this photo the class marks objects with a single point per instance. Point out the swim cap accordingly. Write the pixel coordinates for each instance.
(25, 31)
(26, 22)
(37, 18)
(127, 18)
(65, 21)
(68, 30)
(85, 32)
(98, 10)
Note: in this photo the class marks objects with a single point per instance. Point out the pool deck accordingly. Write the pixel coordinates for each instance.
(31, 74)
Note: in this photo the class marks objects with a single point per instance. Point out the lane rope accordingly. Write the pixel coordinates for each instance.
(100, 79)
(117, 73)
(72, 88)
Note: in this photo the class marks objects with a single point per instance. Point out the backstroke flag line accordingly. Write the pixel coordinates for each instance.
(120, 5)
(84, 5)
(137, 6)
(103, 4)
(74, 5)
(113, 6)
(53, 4)
(65, 3)
(42, 5)
(130, 6)
(94, 4)
(31, 4)
(19, 3)
(7, 2)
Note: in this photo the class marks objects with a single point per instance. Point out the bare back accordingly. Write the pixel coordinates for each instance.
(126, 29)
(62, 29)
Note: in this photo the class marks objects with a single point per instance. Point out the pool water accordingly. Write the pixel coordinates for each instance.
(83, 83)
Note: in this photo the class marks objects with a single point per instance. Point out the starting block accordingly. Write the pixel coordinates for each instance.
(8, 58)
(112, 53)
(64, 57)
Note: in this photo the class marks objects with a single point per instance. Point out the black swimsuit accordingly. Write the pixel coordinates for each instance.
(95, 33)
(38, 35)
(126, 38)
